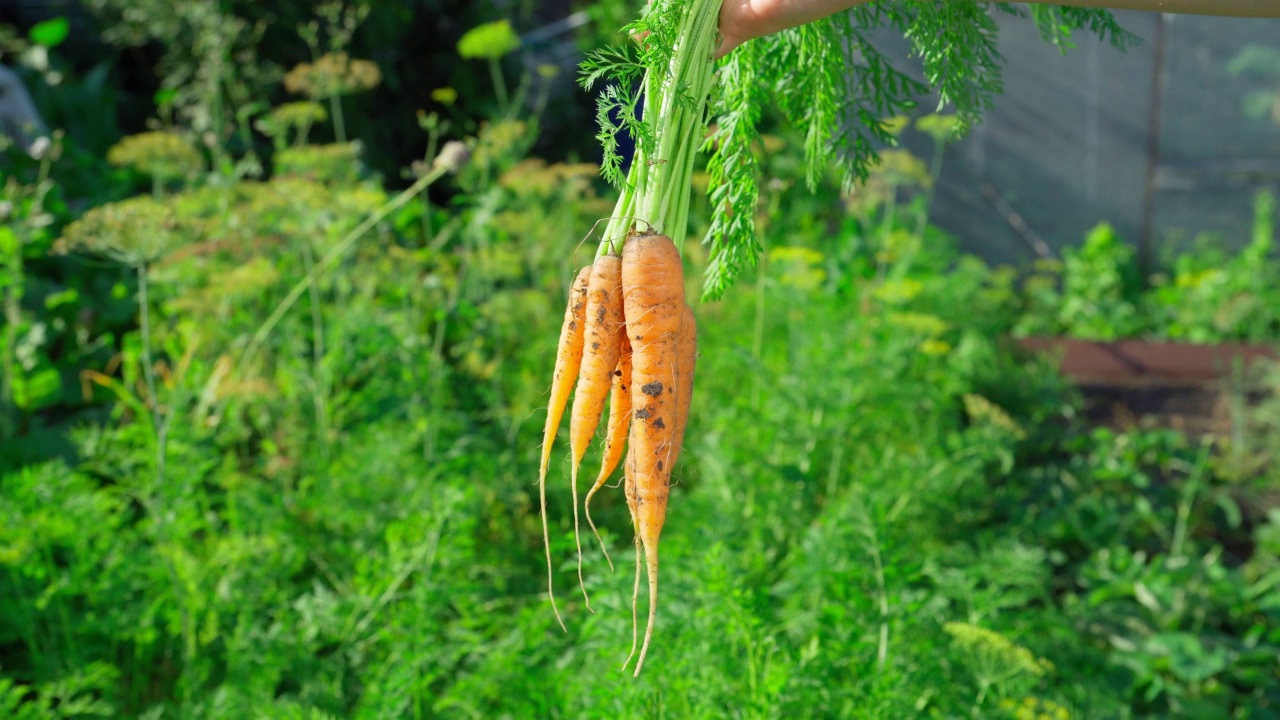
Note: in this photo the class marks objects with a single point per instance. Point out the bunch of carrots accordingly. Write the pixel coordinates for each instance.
(629, 337)
(628, 334)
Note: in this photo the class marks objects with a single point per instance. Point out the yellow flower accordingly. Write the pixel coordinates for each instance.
(164, 155)
(332, 74)
(336, 163)
(895, 124)
(296, 116)
(498, 142)
(1035, 709)
(135, 231)
(993, 655)
(919, 323)
(940, 127)
(798, 267)
(935, 348)
(489, 41)
(981, 409)
(535, 178)
(445, 95)
(902, 169)
(896, 169)
(898, 292)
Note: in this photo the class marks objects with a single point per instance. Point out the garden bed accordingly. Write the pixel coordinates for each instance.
(1135, 383)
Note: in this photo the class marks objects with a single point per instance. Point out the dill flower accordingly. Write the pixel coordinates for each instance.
(895, 125)
(919, 323)
(136, 231)
(160, 154)
(332, 163)
(489, 41)
(332, 74)
(297, 116)
(498, 145)
(533, 177)
(799, 267)
(935, 348)
(445, 95)
(900, 168)
(896, 169)
(983, 410)
(992, 657)
(898, 292)
(940, 127)
(1031, 708)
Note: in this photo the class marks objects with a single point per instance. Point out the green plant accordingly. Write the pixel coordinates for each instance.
(910, 519)
(1206, 295)
(1101, 288)
(805, 72)
(209, 71)
(490, 42)
(1260, 62)
(28, 381)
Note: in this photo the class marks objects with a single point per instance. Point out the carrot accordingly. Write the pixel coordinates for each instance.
(629, 489)
(686, 359)
(615, 439)
(653, 299)
(568, 361)
(601, 348)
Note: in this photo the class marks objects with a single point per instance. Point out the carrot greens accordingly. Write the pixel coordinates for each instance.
(827, 78)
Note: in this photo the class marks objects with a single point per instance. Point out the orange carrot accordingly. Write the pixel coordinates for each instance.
(615, 439)
(601, 348)
(653, 298)
(568, 361)
(629, 489)
(686, 359)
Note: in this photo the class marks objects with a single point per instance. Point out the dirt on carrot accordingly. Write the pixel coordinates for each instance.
(654, 302)
(615, 440)
(602, 345)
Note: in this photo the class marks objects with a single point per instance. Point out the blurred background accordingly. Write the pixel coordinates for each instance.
(282, 283)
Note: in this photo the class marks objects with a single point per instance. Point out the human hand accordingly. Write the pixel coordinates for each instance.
(743, 20)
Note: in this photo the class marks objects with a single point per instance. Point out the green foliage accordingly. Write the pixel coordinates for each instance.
(303, 487)
(1206, 296)
(1260, 62)
(1101, 285)
(809, 75)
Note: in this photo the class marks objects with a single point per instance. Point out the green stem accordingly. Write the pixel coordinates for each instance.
(12, 317)
(264, 330)
(320, 377)
(428, 232)
(675, 98)
(935, 173)
(499, 85)
(982, 696)
(339, 124)
(148, 372)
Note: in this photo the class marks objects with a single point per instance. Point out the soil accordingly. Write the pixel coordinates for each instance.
(1197, 409)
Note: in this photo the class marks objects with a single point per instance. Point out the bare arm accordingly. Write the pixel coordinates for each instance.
(743, 20)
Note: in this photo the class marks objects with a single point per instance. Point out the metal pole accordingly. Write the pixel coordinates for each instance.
(1224, 8)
